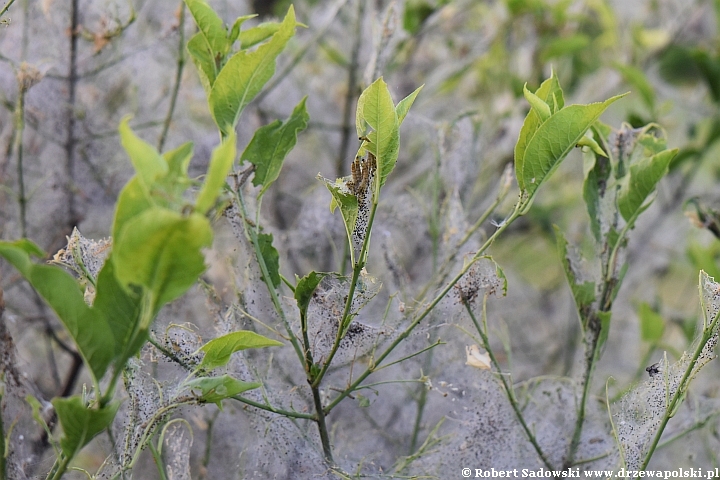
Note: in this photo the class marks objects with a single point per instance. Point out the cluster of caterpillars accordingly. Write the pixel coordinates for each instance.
(363, 172)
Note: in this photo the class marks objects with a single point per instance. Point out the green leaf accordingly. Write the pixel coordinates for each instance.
(554, 139)
(305, 288)
(218, 350)
(211, 26)
(178, 161)
(160, 250)
(542, 109)
(562, 46)
(652, 324)
(204, 61)
(376, 109)
(176, 181)
(550, 93)
(148, 163)
(89, 330)
(271, 257)
(416, 12)
(404, 105)
(234, 32)
(245, 74)
(590, 142)
(220, 164)
(271, 144)
(640, 182)
(260, 33)
(605, 318)
(133, 200)
(635, 77)
(583, 292)
(121, 309)
(80, 424)
(216, 389)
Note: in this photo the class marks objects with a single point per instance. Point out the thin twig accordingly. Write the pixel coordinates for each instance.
(350, 94)
(277, 79)
(510, 393)
(72, 80)
(6, 7)
(19, 128)
(520, 208)
(178, 76)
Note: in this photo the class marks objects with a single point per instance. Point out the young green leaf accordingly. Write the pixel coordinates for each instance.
(604, 318)
(218, 350)
(635, 77)
(271, 144)
(253, 36)
(234, 32)
(211, 26)
(244, 75)
(640, 182)
(216, 389)
(204, 61)
(404, 105)
(551, 94)
(271, 257)
(80, 424)
(542, 109)
(61, 292)
(305, 288)
(652, 324)
(221, 162)
(376, 109)
(554, 139)
(590, 142)
(161, 250)
(148, 163)
(178, 161)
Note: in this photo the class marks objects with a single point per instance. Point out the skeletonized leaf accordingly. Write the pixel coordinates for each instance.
(347, 202)
(583, 292)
